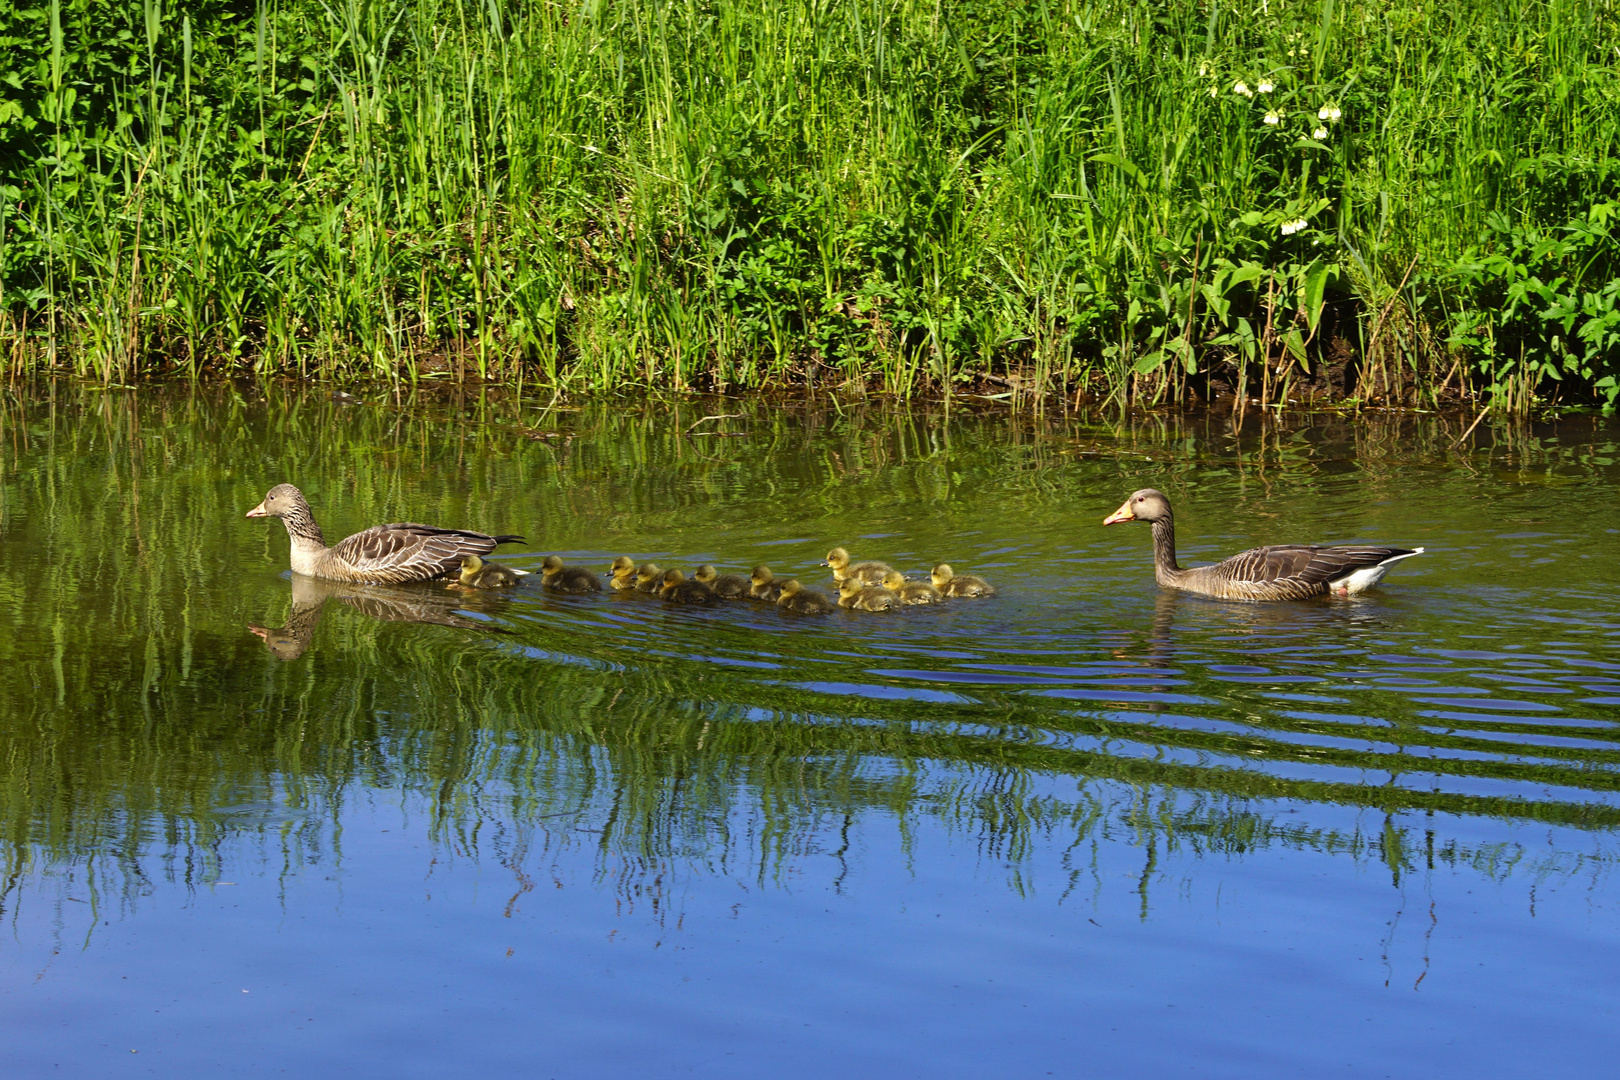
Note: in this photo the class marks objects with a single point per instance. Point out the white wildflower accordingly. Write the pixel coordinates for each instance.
(1328, 112)
(1273, 118)
(1319, 134)
(1214, 91)
(1265, 88)
(1203, 68)
(1289, 228)
(1242, 90)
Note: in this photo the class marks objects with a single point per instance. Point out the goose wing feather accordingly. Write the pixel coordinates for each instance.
(408, 551)
(1291, 571)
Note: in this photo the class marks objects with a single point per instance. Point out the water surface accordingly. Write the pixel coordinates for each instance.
(254, 822)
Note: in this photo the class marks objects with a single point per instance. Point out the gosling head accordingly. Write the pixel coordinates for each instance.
(623, 566)
(673, 578)
(837, 558)
(705, 574)
(761, 575)
(850, 587)
(648, 572)
(941, 574)
(894, 580)
(550, 566)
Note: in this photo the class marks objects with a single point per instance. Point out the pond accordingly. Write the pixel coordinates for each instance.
(250, 822)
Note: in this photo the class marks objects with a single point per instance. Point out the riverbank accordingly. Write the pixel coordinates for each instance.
(1356, 202)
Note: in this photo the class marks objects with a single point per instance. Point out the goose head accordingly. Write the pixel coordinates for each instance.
(284, 500)
(1145, 505)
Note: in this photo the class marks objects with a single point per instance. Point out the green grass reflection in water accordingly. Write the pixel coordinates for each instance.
(145, 725)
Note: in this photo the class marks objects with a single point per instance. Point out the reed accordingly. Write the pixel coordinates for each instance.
(1392, 202)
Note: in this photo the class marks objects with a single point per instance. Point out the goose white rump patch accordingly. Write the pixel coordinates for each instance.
(1368, 576)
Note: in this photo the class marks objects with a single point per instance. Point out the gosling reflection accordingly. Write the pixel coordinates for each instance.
(385, 603)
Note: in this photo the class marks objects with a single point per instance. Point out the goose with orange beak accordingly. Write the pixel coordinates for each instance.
(381, 555)
(1281, 572)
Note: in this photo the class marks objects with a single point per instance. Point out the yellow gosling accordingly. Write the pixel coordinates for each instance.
(869, 573)
(623, 573)
(677, 590)
(948, 582)
(802, 601)
(857, 597)
(911, 592)
(763, 585)
(569, 579)
(726, 586)
(478, 574)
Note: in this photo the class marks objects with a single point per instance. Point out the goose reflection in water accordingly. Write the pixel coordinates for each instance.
(427, 603)
(1308, 627)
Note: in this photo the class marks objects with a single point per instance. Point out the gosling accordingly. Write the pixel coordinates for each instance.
(649, 579)
(624, 573)
(868, 573)
(569, 579)
(725, 586)
(911, 592)
(852, 594)
(947, 582)
(677, 590)
(796, 598)
(478, 574)
(763, 585)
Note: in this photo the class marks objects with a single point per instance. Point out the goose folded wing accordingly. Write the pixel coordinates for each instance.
(407, 551)
(1292, 562)
(1306, 564)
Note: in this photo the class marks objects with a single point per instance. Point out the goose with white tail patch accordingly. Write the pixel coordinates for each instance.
(1282, 572)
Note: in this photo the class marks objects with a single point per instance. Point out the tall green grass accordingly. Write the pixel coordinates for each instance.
(1054, 197)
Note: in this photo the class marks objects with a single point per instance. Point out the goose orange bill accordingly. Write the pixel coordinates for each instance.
(258, 511)
(1122, 514)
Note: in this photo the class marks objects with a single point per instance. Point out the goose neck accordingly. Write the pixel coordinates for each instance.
(1165, 568)
(302, 529)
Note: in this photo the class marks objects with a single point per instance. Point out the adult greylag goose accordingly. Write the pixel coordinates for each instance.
(868, 573)
(478, 574)
(1280, 572)
(382, 554)
(950, 583)
(726, 586)
(570, 579)
(802, 601)
(911, 592)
